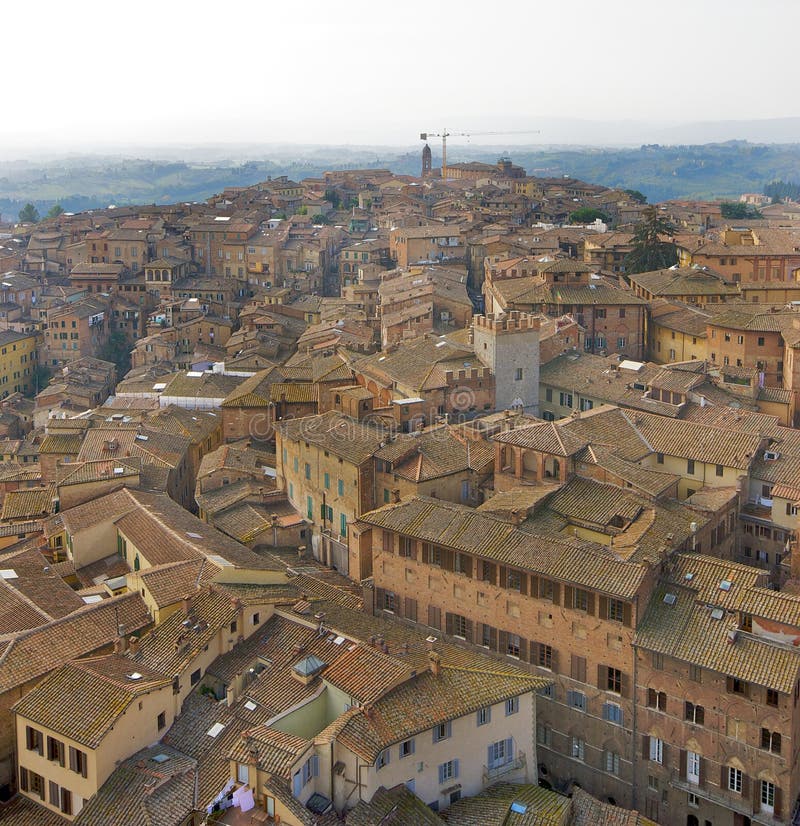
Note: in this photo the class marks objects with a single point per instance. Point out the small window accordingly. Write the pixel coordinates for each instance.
(162, 720)
(720, 470)
(406, 748)
(256, 618)
(690, 466)
(512, 706)
(195, 678)
(484, 716)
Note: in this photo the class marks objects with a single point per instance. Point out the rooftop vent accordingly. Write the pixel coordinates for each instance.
(670, 599)
(717, 614)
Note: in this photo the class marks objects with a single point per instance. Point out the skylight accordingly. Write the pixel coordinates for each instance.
(717, 614)
(215, 730)
(725, 585)
(9, 573)
(250, 705)
(670, 599)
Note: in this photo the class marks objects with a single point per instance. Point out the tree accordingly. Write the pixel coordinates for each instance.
(650, 251)
(587, 215)
(29, 214)
(118, 351)
(319, 218)
(737, 209)
(54, 211)
(635, 195)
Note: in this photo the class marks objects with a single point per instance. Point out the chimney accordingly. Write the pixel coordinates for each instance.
(434, 660)
(187, 605)
(516, 517)
(230, 696)
(119, 645)
(430, 642)
(134, 646)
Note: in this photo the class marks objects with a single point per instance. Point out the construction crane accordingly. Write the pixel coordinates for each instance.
(444, 135)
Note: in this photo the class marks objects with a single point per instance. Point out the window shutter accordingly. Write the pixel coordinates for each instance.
(413, 746)
(441, 774)
(745, 786)
(489, 758)
(626, 615)
(55, 796)
(556, 593)
(645, 747)
(554, 661)
(502, 642)
(535, 587)
(448, 559)
(778, 803)
(625, 685)
(503, 576)
(448, 623)
(455, 768)
(296, 785)
(605, 711)
(469, 627)
(523, 649)
(602, 677)
(73, 760)
(699, 715)
(379, 598)
(682, 764)
(479, 569)
(723, 777)
(493, 638)
(590, 603)
(603, 607)
(413, 548)
(665, 749)
(434, 617)
(569, 599)
(652, 698)
(729, 685)
(509, 748)
(84, 766)
(23, 779)
(523, 584)
(704, 773)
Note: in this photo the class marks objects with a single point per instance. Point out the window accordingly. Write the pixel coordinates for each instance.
(656, 750)
(720, 470)
(576, 700)
(771, 741)
(695, 673)
(256, 618)
(656, 699)
(513, 580)
(484, 716)
(614, 680)
(693, 767)
(500, 753)
(382, 759)
(736, 686)
(448, 771)
(772, 697)
(459, 626)
(161, 721)
(405, 546)
(578, 748)
(548, 394)
(513, 645)
(611, 762)
(580, 599)
(34, 739)
(342, 524)
(512, 706)
(621, 339)
(657, 660)
(545, 656)
(767, 796)
(195, 678)
(55, 750)
(544, 734)
(565, 399)
(616, 610)
(518, 374)
(660, 458)
(694, 714)
(734, 780)
(441, 732)
(612, 713)
(77, 761)
(690, 466)
(600, 313)
(389, 601)
(308, 470)
(327, 481)
(761, 341)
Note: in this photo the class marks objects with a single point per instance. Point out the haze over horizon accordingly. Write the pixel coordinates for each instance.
(365, 74)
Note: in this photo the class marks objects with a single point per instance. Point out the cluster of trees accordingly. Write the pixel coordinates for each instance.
(30, 215)
(737, 209)
(782, 190)
(653, 243)
(587, 215)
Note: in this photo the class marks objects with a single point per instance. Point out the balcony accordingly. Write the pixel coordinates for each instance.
(496, 772)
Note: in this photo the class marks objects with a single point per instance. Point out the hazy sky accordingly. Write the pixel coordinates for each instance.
(83, 73)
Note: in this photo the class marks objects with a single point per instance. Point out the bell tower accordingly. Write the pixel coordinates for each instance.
(427, 161)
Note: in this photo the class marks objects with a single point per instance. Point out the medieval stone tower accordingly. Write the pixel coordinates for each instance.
(427, 161)
(509, 345)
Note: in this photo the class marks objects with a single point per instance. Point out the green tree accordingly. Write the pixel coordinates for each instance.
(736, 209)
(302, 210)
(635, 195)
(332, 197)
(650, 251)
(118, 351)
(586, 215)
(319, 218)
(29, 214)
(54, 211)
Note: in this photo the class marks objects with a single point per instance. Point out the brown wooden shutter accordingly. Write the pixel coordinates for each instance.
(398, 605)
(645, 747)
(554, 661)
(626, 615)
(556, 593)
(23, 779)
(625, 685)
(523, 649)
(379, 599)
(652, 698)
(492, 638)
(602, 677)
(704, 772)
(410, 609)
(745, 786)
(73, 760)
(682, 764)
(448, 559)
(590, 603)
(778, 803)
(569, 599)
(729, 685)
(665, 749)
(414, 548)
(469, 627)
(603, 607)
(478, 569)
(434, 617)
(723, 777)
(466, 563)
(533, 583)
(699, 715)
(448, 624)
(503, 576)
(502, 642)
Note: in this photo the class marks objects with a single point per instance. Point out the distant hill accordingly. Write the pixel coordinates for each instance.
(720, 170)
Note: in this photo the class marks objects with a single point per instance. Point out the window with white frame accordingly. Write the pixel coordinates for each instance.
(767, 796)
(693, 767)
(500, 753)
(656, 749)
(734, 780)
(578, 748)
(611, 762)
